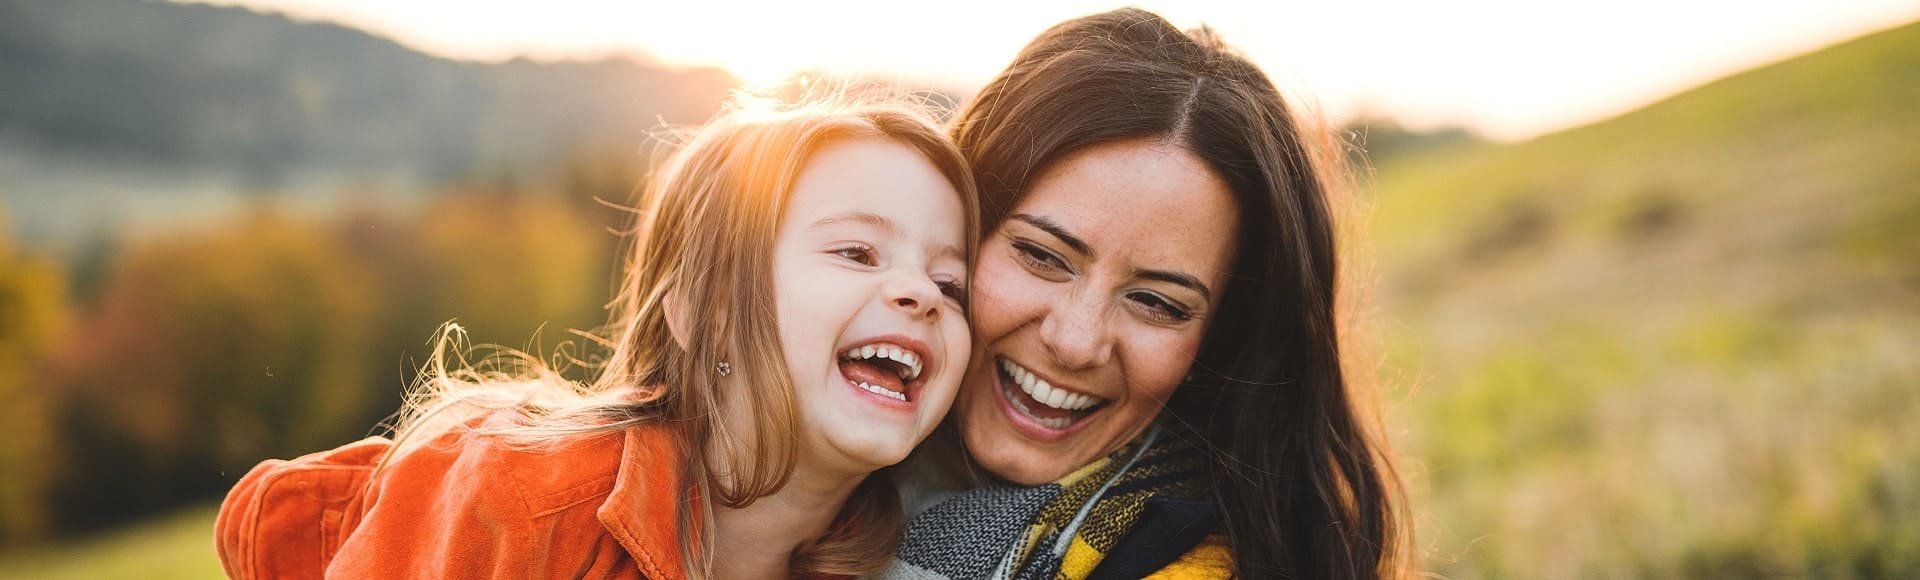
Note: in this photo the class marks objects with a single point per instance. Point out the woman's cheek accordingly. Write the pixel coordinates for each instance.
(1001, 292)
(1168, 367)
(1155, 359)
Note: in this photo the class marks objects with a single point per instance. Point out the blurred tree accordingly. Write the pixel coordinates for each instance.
(208, 352)
(506, 268)
(503, 266)
(32, 313)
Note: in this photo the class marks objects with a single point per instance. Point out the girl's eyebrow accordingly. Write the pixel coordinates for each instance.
(859, 217)
(880, 222)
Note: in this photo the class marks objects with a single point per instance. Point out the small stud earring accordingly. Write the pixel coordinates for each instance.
(724, 368)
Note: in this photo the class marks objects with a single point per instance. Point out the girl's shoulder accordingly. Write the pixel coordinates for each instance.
(485, 469)
(461, 491)
(285, 515)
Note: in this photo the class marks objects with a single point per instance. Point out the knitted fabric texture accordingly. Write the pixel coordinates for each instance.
(1014, 532)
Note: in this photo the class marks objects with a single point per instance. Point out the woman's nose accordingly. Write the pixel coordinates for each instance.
(1075, 332)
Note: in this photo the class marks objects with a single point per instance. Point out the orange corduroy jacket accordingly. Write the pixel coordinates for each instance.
(603, 506)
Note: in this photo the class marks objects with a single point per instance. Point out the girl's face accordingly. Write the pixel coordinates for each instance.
(1090, 301)
(870, 281)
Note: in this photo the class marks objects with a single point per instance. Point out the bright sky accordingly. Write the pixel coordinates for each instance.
(1510, 69)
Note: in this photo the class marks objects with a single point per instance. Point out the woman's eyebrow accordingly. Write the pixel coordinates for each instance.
(1048, 226)
(1175, 278)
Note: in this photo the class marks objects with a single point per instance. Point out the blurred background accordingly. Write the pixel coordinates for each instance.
(1642, 279)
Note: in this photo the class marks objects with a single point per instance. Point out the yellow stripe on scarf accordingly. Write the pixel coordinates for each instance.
(1209, 560)
(1080, 561)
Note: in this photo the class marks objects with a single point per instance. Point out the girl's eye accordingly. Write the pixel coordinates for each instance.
(1159, 307)
(860, 254)
(955, 291)
(1038, 258)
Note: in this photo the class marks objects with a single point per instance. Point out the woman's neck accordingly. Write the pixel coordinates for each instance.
(757, 541)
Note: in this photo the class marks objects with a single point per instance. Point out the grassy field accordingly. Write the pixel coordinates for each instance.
(179, 546)
(1680, 343)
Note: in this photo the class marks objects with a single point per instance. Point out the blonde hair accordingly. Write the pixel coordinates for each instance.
(704, 237)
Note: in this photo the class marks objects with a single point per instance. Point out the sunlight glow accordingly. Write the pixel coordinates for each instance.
(1509, 68)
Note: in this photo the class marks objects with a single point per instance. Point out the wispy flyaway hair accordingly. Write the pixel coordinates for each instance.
(703, 237)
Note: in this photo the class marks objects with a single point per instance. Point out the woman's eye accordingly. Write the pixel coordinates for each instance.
(860, 254)
(1160, 308)
(1038, 258)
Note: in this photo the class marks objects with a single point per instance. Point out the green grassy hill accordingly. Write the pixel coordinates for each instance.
(1681, 342)
(179, 546)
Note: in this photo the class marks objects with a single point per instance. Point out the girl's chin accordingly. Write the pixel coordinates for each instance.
(872, 458)
(870, 449)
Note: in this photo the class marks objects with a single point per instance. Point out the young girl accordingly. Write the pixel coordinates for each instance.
(791, 320)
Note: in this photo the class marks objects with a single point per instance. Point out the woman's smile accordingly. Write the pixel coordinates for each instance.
(1054, 409)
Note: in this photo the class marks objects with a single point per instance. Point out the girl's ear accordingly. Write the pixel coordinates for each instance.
(677, 321)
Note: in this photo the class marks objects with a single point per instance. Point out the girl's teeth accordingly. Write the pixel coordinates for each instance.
(895, 395)
(910, 363)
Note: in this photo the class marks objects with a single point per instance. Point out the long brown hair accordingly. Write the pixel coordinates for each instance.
(1299, 469)
(704, 238)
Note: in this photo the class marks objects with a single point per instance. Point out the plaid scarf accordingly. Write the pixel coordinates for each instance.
(1143, 504)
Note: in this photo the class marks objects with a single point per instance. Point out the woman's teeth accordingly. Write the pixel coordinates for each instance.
(909, 364)
(1050, 422)
(1047, 394)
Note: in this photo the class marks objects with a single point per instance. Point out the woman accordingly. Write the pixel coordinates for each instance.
(1157, 369)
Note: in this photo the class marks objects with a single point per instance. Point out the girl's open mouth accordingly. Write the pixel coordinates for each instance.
(885, 369)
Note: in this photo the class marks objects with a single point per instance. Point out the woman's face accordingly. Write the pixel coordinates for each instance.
(1089, 304)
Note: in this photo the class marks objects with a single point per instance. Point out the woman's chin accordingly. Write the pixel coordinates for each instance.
(1027, 473)
(1016, 463)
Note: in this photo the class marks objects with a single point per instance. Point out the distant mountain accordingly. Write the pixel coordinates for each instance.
(110, 94)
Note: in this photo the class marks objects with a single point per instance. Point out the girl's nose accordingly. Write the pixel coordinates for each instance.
(916, 297)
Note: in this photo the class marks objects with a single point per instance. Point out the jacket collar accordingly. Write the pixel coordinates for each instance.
(643, 510)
